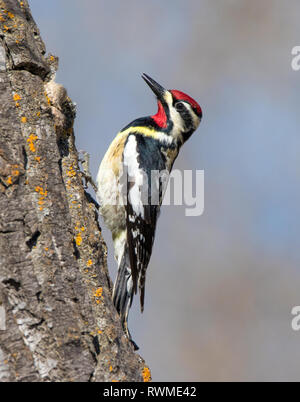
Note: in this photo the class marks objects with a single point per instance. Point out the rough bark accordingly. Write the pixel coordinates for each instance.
(57, 320)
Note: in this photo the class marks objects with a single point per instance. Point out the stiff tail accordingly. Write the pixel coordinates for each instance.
(123, 292)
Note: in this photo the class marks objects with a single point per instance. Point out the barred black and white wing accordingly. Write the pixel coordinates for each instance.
(144, 196)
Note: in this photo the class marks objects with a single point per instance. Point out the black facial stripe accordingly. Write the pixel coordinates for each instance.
(186, 115)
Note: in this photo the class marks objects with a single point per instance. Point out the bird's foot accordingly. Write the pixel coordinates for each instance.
(85, 172)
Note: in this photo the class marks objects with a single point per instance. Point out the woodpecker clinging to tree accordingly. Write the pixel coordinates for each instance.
(126, 188)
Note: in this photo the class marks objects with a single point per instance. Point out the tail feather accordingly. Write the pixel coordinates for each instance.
(123, 292)
(123, 289)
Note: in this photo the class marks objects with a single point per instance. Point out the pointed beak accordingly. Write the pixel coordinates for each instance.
(156, 88)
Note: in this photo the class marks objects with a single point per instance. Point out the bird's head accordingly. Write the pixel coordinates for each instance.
(178, 114)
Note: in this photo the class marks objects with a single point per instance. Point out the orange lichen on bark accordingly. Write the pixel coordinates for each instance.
(146, 374)
(31, 140)
(23, 119)
(71, 172)
(78, 239)
(98, 292)
(98, 295)
(48, 99)
(17, 97)
(15, 172)
(43, 194)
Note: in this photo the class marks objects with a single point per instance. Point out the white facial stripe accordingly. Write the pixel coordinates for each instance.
(178, 126)
(178, 122)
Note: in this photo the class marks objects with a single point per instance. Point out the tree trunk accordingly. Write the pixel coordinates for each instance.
(57, 320)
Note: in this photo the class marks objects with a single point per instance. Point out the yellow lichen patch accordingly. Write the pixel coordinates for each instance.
(98, 292)
(38, 189)
(71, 172)
(6, 28)
(17, 97)
(89, 263)
(31, 140)
(110, 368)
(23, 119)
(98, 295)
(99, 331)
(78, 239)
(9, 180)
(38, 158)
(10, 15)
(46, 248)
(48, 99)
(17, 104)
(146, 374)
(43, 194)
(38, 114)
(1, 18)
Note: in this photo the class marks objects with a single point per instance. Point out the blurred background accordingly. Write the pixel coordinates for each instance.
(221, 286)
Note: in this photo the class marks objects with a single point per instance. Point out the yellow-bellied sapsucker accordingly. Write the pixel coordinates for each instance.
(130, 195)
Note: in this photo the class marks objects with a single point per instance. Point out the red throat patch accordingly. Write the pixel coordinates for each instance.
(160, 117)
(182, 96)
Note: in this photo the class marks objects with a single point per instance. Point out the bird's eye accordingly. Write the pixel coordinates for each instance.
(179, 106)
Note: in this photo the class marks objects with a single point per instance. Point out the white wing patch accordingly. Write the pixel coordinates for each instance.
(135, 175)
(141, 216)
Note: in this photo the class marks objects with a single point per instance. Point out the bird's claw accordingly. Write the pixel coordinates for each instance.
(125, 327)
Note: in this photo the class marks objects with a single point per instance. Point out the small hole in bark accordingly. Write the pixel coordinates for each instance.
(13, 283)
(25, 157)
(76, 251)
(96, 344)
(33, 240)
(37, 324)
